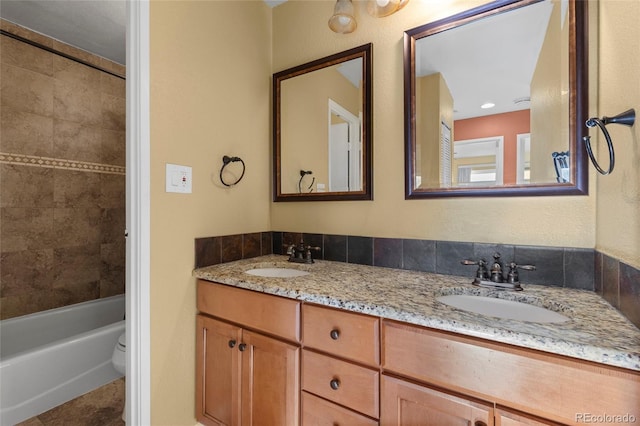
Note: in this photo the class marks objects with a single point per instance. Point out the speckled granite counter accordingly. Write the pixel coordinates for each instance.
(595, 332)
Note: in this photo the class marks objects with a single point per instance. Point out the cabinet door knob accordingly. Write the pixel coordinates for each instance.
(242, 347)
(232, 343)
(335, 334)
(479, 423)
(335, 384)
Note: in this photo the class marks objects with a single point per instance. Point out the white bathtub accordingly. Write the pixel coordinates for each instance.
(51, 357)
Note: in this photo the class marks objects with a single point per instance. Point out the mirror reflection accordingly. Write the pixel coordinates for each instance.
(490, 98)
(321, 142)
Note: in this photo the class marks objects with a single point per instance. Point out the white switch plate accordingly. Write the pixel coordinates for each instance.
(178, 178)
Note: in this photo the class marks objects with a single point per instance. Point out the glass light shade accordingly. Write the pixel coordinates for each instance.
(343, 20)
(380, 8)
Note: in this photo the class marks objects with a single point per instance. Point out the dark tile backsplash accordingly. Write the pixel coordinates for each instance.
(227, 248)
(575, 268)
(619, 284)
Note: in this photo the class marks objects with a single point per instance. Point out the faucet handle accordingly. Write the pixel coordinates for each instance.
(513, 276)
(481, 273)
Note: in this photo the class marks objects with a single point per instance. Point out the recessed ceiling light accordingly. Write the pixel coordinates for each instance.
(487, 105)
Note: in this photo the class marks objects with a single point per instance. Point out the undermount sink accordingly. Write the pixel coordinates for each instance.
(276, 272)
(501, 308)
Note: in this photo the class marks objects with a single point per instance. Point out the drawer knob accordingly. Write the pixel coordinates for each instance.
(335, 334)
(480, 423)
(335, 384)
(232, 343)
(242, 347)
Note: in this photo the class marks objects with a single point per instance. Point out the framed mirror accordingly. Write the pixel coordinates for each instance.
(496, 101)
(322, 142)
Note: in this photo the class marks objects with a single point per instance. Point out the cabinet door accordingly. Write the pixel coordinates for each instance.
(270, 381)
(217, 372)
(408, 404)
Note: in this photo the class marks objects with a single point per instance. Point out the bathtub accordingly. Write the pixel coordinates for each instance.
(51, 357)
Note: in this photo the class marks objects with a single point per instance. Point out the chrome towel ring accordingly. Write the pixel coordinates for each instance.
(627, 118)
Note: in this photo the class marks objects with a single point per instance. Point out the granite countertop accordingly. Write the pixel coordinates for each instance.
(595, 330)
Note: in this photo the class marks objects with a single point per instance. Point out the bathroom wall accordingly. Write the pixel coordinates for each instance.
(62, 176)
(210, 85)
(300, 34)
(618, 194)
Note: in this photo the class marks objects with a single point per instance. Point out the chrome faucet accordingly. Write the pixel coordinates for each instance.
(495, 277)
(301, 253)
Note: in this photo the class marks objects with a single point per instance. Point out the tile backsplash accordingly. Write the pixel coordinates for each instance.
(574, 268)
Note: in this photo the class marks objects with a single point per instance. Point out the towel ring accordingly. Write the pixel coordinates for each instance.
(226, 160)
(627, 118)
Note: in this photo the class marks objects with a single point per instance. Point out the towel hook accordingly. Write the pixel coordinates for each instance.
(627, 118)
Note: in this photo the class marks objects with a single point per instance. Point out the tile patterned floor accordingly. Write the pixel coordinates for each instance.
(101, 407)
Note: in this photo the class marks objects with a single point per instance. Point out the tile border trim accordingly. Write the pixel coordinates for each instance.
(60, 163)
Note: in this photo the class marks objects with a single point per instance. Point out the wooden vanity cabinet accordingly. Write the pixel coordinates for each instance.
(243, 376)
(340, 367)
(541, 385)
(268, 360)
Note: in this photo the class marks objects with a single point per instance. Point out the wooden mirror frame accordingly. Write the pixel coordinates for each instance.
(366, 193)
(578, 104)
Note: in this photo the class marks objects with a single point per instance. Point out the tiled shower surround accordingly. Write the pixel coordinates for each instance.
(62, 176)
(574, 268)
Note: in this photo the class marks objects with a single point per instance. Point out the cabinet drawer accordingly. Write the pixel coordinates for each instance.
(341, 382)
(345, 334)
(319, 412)
(545, 385)
(270, 314)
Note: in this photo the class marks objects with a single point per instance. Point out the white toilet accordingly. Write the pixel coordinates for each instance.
(119, 360)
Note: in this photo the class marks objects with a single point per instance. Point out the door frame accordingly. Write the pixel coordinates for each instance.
(138, 369)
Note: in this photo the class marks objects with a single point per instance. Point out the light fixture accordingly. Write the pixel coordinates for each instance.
(487, 105)
(343, 20)
(380, 8)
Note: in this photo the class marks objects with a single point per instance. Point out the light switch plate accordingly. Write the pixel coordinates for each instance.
(178, 178)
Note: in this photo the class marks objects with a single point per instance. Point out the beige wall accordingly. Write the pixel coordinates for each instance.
(618, 194)
(210, 96)
(300, 34)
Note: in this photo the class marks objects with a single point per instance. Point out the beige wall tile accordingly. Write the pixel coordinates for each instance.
(25, 133)
(20, 54)
(76, 266)
(76, 103)
(112, 191)
(76, 226)
(76, 73)
(54, 222)
(113, 112)
(26, 90)
(113, 143)
(76, 189)
(76, 141)
(25, 228)
(18, 280)
(25, 186)
(75, 293)
(112, 85)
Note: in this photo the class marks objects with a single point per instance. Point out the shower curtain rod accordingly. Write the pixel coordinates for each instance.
(57, 52)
